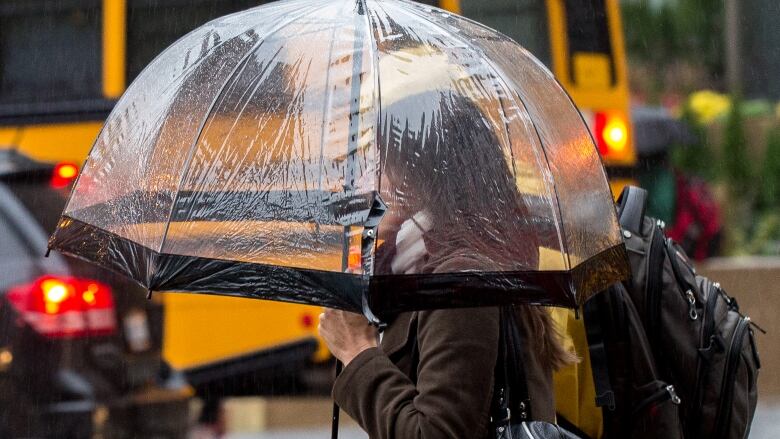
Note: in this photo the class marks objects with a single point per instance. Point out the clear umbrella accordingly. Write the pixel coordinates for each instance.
(285, 152)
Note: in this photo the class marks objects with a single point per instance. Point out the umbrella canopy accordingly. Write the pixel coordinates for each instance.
(273, 153)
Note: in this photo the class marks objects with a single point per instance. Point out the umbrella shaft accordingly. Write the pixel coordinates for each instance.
(334, 430)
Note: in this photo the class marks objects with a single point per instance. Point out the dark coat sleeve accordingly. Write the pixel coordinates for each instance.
(458, 350)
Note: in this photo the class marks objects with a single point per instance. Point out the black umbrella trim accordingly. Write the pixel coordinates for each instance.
(385, 294)
(157, 271)
(391, 294)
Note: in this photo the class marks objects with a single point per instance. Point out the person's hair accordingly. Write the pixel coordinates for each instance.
(450, 164)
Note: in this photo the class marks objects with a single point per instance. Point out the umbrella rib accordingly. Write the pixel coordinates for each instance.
(501, 78)
(377, 105)
(236, 69)
(354, 122)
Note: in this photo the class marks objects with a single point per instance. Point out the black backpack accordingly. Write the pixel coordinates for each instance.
(672, 356)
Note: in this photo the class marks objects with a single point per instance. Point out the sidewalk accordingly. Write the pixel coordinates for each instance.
(322, 433)
(765, 426)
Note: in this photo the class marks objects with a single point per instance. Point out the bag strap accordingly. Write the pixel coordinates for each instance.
(632, 204)
(605, 396)
(415, 360)
(510, 392)
(510, 388)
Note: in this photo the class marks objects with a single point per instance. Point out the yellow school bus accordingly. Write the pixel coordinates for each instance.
(581, 41)
(66, 62)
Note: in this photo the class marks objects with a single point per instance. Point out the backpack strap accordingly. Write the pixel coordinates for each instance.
(632, 204)
(594, 332)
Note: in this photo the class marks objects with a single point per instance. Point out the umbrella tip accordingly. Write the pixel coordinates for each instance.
(149, 293)
(48, 251)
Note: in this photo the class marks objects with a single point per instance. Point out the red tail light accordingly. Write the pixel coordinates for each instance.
(65, 306)
(611, 132)
(63, 175)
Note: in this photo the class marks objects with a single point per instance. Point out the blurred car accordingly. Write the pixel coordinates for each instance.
(80, 348)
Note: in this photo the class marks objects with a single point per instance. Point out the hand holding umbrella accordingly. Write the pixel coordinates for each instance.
(347, 334)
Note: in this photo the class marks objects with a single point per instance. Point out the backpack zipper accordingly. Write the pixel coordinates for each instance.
(692, 314)
(712, 302)
(688, 288)
(665, 393)
(706, 343)
(727, 385)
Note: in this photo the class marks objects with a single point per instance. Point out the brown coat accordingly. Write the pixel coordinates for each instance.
(452, 395)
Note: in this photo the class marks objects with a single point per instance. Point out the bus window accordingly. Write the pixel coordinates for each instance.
(525, 21)
(50, 52)
(590, 51)
(153, 25)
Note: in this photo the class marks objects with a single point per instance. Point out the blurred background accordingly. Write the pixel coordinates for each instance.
(682, 98)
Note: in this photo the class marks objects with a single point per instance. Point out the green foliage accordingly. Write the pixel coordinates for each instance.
(700, 26)
(694, 159)
(689, 30)
(735, 161)
(765, 239)
(770, 175)
(650, 32)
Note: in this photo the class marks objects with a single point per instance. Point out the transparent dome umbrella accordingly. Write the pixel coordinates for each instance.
(273, 153)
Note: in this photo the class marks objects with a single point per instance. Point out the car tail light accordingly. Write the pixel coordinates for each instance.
(65, 306)
(611, 132)
(63, 175)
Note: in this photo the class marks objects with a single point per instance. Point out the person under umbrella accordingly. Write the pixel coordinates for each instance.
(255, 156)
(433, 375)
(245, 161)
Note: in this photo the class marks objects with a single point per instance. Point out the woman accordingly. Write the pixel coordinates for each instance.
(432, 376)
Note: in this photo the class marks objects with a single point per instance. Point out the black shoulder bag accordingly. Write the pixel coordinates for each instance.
(511, 403)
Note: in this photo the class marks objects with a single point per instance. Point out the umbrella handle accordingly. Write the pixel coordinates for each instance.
(334, 426)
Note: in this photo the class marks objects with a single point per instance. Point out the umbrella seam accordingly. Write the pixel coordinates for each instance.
(353, 135)
(193, 148)
(378, 108)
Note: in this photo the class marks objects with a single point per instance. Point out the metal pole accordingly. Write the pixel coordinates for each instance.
(733, 46)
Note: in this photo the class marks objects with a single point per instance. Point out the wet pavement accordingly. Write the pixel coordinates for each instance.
(324, 433)
(766, 425)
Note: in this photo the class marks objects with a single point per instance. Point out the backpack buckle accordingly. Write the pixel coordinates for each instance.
(606, 399)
